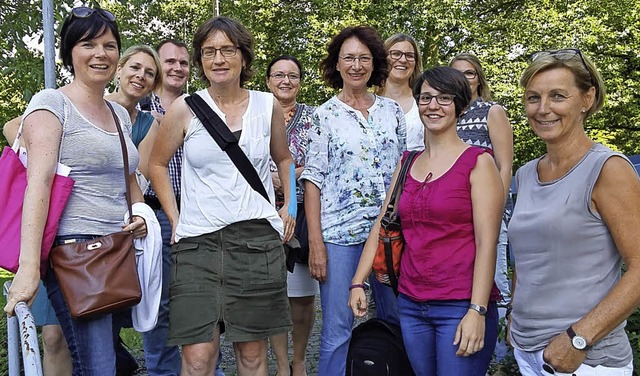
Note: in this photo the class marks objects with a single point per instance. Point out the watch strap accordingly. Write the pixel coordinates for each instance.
(478, 308)
(571, 333)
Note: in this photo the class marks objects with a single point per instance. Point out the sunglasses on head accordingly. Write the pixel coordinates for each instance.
(563, 54)
(84, 12)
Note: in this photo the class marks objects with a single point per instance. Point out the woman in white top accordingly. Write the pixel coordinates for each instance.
(228, 266)
(405, 66)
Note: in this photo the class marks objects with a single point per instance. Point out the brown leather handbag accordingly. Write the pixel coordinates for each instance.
(99, 276)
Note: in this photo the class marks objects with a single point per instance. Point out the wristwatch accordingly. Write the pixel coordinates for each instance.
(478, 308)
(577, 341)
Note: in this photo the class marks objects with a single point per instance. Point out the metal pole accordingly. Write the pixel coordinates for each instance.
(49, 45)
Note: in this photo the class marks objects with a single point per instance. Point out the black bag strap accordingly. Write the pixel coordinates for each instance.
(227, 141)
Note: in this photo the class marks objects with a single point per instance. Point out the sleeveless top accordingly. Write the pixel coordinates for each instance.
(566, 260)
(141, 127)
(214, 192)
(437, 224)
(415, 129)
(97, 203)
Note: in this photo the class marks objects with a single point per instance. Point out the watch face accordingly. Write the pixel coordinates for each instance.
(482, 310)
(579, 342)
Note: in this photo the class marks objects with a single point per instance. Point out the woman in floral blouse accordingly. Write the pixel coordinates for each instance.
(355, 141)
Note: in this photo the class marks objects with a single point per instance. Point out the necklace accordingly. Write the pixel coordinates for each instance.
(287, 117)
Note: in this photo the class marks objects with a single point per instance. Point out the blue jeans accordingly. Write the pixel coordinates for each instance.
(386, 302)
(337, 317)
(161, 359)
(504, 285)
(90, 341)
(428, 330)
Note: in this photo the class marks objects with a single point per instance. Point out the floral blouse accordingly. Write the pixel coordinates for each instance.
(351, 160)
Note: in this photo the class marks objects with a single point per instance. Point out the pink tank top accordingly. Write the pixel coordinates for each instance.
(437, 223)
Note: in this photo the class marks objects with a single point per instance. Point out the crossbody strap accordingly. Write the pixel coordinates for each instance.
(125, 158)
(227, 141)
(392, 206)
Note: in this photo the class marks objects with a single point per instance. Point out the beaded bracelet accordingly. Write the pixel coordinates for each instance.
(358, 286)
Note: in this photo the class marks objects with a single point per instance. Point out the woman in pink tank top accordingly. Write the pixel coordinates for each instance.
(450, 207)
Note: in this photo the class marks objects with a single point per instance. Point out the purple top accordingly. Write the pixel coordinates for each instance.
(437, 223)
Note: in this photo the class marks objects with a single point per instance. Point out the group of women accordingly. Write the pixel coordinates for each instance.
(572, 226)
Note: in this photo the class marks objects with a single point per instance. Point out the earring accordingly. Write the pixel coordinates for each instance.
(117, 83)
(584, 110)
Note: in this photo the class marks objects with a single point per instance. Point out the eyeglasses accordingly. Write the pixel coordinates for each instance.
(470, 74)
(397, 55)
(85, 12)
(366, 59)
(281, 76)
(225, 51)
(563, 54)
(441, 99)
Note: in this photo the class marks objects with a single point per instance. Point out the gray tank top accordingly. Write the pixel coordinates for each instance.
(97, 203)
(566, 260)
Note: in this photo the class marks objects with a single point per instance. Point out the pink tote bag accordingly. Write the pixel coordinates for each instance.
(13, 182)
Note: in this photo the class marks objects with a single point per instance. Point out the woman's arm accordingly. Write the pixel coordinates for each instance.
(10, 130)
(616, 197)
(487, 204)
(317, 249)
(42, 132)
(501, 136)
(144, 149)
(357, 297)
(282, 158)
(169, 138)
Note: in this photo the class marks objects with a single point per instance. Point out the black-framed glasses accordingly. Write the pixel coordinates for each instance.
(84, 12)
(281, 76)
(226, 51)
(563, 54)
(397, 55)
(470, 74)
(442, 99)
(364, 59)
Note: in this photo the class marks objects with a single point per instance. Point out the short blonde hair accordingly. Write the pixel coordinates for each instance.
(157, 81)
(584, 72)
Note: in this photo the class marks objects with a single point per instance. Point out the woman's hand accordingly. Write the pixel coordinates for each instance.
(318, 260)
(561, 355)
(289, 222)
(23, 288)
(138, 226)
(358, 302)
(470, 334)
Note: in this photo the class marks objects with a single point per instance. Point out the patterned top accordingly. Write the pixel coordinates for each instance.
(175, 163)
(351, 160)
(474, 130)
(297, 138)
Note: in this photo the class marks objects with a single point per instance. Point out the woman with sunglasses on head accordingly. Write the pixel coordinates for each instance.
(139, 73)
(405, 65)
(228, 264)
(485, 123)
(76, 125)
(575, 221)
(355, 140)
(450, 210)
(284, 75)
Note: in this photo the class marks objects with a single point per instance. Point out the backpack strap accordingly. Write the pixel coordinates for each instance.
(227, 141)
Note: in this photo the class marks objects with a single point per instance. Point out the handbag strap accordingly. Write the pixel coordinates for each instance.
(227, 141)
(125, 158)
(392, 206)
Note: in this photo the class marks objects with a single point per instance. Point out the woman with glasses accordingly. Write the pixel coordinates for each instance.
(75, 125)
(450, 210)
(355, 140)
(405, 65)
(284, 74)
(228, 264)
(485, 123)
(574, 223)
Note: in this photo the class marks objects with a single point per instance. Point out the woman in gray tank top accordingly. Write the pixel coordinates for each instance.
(574, 222)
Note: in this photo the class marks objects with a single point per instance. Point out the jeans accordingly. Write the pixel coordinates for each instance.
(428, 331)
(337, 317)
(504, 285)
(531, 364)
(90, 341)
(161, 359)
(386, 302)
